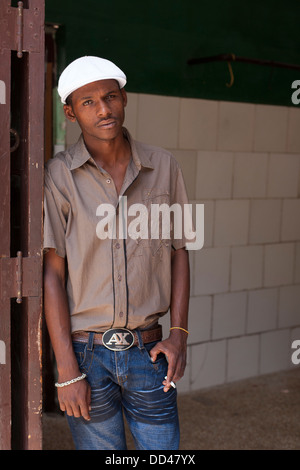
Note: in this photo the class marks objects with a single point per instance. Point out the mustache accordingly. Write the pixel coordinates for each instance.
(105, 120)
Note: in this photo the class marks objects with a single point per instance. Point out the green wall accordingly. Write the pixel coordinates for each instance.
(152, 41)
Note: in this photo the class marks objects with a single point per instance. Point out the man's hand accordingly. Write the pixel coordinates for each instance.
(174, 349)
(75, 399)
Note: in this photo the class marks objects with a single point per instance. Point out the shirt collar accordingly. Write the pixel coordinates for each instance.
(80, 155)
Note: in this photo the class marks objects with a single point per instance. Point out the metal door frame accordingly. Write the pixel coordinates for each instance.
(22, 30)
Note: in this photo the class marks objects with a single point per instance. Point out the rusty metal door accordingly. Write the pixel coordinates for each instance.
(21, 194)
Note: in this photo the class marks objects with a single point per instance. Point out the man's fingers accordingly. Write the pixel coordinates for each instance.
(76, 401)
(85, 407)
(76, 411)
(175, 371)
(168, 384)
(89, 398)
(154, 352)
(180, 367)
(169, 379)
(68, 409)
(84, 412)
(62, 406)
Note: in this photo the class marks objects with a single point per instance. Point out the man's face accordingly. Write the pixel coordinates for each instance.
(99, 109)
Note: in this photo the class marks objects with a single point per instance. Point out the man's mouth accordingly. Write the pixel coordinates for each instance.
(107, 124)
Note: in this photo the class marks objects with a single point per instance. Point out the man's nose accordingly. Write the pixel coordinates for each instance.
(103, 108)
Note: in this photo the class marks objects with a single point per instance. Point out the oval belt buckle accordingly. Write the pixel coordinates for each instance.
(118, 339)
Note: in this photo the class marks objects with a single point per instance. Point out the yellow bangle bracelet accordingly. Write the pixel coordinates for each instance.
(179, 328)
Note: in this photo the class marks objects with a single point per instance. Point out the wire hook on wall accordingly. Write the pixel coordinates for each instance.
(232, 57)
(229, 85)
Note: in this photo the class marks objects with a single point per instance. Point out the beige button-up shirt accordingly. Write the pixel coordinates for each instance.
(117, 277)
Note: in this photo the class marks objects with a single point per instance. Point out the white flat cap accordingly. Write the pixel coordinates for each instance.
(86, 70)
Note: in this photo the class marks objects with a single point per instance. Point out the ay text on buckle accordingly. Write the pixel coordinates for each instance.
(118, 339)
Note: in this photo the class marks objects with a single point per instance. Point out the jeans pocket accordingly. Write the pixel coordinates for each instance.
(153, 372)
(83, 356)
(160, 359)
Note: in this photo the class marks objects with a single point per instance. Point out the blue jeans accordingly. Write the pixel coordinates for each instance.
(125, 381)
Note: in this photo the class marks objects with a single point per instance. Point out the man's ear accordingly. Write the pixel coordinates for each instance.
(124, 94)
(69, 113)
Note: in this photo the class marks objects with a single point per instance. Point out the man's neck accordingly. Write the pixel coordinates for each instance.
(109, 153)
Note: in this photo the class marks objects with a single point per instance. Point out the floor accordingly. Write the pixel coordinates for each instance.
(258, 413)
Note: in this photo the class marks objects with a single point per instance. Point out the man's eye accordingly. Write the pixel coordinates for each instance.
(87, 102)
(111, 97)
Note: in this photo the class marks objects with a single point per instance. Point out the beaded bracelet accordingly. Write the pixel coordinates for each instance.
(69, 382)
(179, 328)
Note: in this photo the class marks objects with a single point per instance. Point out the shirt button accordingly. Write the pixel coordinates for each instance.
(121, 314)
(119, 277)
(118, 245)
(108, 180)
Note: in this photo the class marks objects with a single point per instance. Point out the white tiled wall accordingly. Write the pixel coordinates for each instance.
(242, 161)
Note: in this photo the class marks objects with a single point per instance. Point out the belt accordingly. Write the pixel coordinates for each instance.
(118, 339)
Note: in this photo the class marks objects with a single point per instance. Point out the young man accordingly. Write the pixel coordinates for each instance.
(106, 281)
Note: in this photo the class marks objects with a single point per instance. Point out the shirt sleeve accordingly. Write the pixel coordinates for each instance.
(179, 196)
(56, 211)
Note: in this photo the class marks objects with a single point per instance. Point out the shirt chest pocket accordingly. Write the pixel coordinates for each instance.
(155, 208)
(156, 196)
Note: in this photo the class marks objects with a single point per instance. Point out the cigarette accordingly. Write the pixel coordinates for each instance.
(171, 383)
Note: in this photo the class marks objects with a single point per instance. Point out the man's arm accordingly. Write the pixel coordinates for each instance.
(74, 398)
(175, 346)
